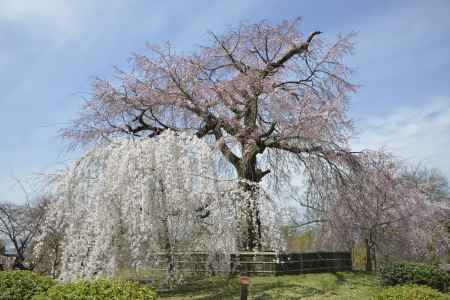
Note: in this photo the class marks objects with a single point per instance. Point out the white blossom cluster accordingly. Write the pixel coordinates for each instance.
(138, 203)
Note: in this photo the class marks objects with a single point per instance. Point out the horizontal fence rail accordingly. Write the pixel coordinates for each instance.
(264, 263)
(294, 263)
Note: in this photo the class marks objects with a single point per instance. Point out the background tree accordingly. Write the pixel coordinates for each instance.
(431, 182)
(19, 224)
(273, 100)
(381, 209)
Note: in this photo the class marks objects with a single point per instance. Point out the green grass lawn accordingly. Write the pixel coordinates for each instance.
(341, 286)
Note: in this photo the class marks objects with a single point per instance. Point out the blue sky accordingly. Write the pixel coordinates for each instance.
(51, 49)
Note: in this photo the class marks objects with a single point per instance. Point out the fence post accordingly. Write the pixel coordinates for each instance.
(244, 281)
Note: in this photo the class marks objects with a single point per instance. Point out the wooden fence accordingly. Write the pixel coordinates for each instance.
(266, 263)
(294, 263)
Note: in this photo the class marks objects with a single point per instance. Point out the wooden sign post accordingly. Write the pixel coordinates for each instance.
(244, 282)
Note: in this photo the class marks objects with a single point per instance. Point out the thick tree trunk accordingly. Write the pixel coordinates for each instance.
(251, 177)
(252, 239)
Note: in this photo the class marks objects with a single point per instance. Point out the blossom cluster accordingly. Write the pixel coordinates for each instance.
(139, 203)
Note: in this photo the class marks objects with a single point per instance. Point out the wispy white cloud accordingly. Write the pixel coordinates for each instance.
(415, 133)
(59, 16)
(55, 20)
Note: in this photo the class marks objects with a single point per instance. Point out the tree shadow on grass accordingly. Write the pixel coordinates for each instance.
(211, 289)
(361, 278)
(288, 292)
(270, 292)
(265, 291)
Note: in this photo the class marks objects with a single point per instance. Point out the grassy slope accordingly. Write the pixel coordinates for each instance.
(341, 286)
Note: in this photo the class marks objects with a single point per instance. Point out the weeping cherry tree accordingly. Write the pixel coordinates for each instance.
(272, 99)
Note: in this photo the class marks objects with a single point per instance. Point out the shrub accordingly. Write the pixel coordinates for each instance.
(413, 273)
(23, 285)
(99, 289)
(411, 292)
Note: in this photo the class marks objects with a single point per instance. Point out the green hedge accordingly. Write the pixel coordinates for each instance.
(23, 285)
(411, 292)
(413, 273)
(100, 289)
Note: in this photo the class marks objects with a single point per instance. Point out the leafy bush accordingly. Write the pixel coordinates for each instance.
(411, 292)
(413, 273)
(23, 285)
(100, 289)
